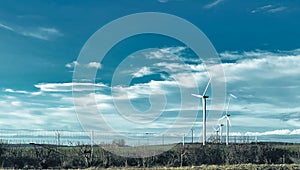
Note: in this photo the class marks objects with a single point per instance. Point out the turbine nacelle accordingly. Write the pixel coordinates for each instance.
(200, 96)
(204, 92)
(205, 97)
(227, 118)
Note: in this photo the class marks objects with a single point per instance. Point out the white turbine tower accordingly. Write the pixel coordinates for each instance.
(227, 118)
(203, 97)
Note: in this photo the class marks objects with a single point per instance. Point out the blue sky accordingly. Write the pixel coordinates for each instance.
(258, 43)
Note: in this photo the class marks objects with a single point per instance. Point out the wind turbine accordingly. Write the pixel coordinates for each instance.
(219, 133)
(227, 118)
(203, 97)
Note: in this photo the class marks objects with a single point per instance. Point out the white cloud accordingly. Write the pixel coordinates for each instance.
(213, 4)
(278, 9)
(295, 132)
(42, 33)
(262, 8)
(96, 65)
(169, 53)
(175, 67)
(142, 90)
(236, 55)
(264, 66)
(163, 1)
(274, 132)
(72, 64)
(142, 72)
(6, 27)
(49, 30)
(15, 91)
(16, 103)
(69, 87)
(35, 112)
(266, 84)
(269, 9)
(22, 92)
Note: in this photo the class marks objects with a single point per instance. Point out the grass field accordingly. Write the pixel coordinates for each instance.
(220, 167)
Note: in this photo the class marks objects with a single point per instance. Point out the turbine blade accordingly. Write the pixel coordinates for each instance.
(228, 120)
(206, 87)
(228, 105)
(233, 96)
(217, 129)
(197, 95)
(223, 117)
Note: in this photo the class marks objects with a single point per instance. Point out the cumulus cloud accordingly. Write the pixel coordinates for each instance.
(96, 65)
(169, 53)
(265, 82)
(142, 72)
(274, 132)
(295, 132)
(72, 64)
(142, 90)
(35, 112)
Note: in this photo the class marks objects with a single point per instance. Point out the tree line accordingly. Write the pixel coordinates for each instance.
(83, 156)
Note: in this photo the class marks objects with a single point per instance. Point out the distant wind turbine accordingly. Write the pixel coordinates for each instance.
(219, 133)
(227, 118)
(203, 97)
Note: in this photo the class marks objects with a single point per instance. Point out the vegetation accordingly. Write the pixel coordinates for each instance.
(190, 156)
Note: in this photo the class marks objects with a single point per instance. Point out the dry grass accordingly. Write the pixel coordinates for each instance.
(217, 167)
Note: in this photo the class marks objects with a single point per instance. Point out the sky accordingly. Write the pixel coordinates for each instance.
(257, 42)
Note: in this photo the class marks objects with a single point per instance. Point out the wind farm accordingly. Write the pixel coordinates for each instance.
(220, 125)
(153, 84)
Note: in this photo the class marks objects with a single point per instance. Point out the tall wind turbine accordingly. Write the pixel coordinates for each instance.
(227, 118)
(203, 97)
